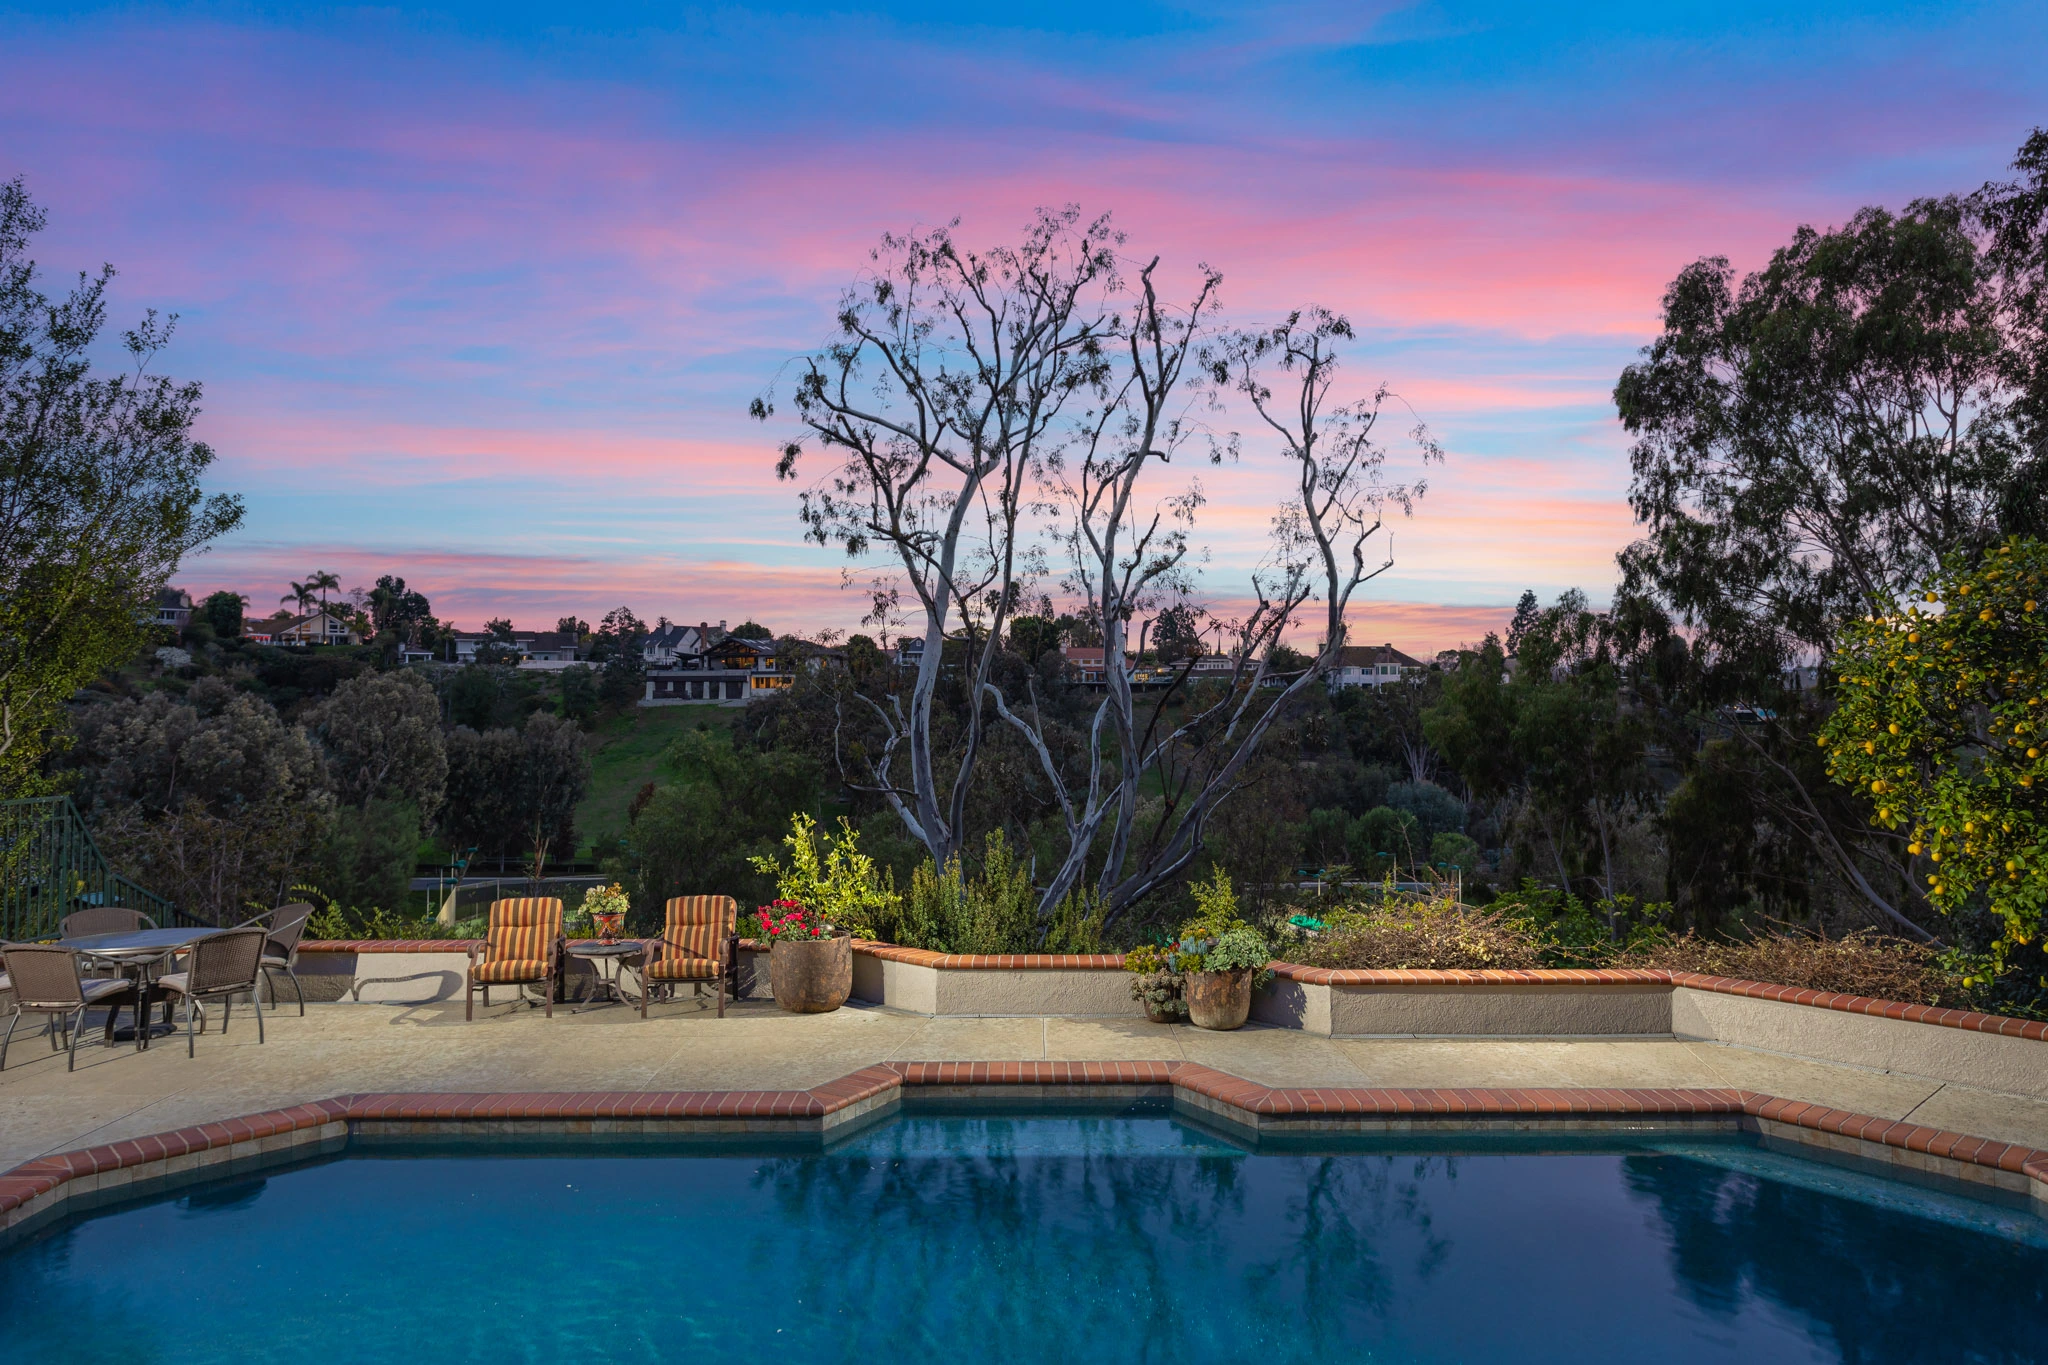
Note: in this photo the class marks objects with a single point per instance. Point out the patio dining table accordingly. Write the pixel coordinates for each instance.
(138, 950)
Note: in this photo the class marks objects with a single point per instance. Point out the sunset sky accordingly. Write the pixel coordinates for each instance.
(479, 295)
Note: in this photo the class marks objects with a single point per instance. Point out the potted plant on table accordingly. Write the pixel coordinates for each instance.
(828, 893)
(1223, 959)
(606, 907)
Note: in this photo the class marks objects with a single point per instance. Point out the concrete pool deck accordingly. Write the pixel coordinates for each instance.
(338, 1049)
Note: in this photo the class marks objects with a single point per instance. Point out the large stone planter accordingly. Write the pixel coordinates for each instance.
(812, 976)
(1219, 1000)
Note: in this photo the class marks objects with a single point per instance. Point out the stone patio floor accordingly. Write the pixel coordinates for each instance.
(341, 1049)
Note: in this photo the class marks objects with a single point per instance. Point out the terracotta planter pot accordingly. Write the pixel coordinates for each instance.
(812, 976)
(1219, 1000)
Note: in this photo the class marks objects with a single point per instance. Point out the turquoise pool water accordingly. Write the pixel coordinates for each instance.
(954, 1239)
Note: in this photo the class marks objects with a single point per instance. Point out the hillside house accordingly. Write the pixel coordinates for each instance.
(1372, 666)
(667, 643)
(314, 628)
(173, 608)
(729, 673)
(541, 648)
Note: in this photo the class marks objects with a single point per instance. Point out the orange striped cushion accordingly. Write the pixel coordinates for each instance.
(682, 969)
(698, 926)
(511, 969)
(522, 930)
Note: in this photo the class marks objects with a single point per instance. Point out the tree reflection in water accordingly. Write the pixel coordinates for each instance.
(1209, 1253)
(1883, 1285)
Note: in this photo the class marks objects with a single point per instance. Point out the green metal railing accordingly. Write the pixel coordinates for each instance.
(50, 866)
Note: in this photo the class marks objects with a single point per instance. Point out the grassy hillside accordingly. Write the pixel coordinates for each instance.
(626, 755)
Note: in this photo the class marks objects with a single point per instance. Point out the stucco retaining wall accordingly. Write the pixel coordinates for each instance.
(1988, 1061)
(1500, 1011)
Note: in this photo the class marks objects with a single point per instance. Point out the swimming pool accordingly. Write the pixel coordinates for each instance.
(1132, 1237)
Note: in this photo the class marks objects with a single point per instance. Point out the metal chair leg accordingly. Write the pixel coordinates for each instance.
(8, 1038)
(227, 1012)
(257, 1005)
(77, 1027)
(191, 1008)
(297, 990)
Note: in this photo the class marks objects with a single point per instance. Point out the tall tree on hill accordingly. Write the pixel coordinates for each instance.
(934, 405)
(399, 611)
(1813, 442)
(100, 498)
(962, 385)
(1127, 545)
(320, 582)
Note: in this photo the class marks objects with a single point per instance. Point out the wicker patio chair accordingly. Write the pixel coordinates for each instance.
(219, 967)
(523, 946)
(103, 919)
(695, 946)
(45, 980)
(281, 948)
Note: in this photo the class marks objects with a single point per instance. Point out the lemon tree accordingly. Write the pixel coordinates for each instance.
(1942, 724)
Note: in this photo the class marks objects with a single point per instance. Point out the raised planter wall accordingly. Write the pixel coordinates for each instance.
(995, 986)
(1366, 1004)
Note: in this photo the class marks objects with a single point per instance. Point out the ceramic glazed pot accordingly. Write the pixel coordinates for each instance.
(811, 976)
(1219, 1000)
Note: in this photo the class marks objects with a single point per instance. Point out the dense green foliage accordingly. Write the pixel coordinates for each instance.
(99, 494)
(1941, 726)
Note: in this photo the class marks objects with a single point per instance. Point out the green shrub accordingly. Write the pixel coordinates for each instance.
(992, 911)
(829, 876)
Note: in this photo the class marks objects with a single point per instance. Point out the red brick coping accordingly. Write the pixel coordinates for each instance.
(37, 1187)
(2033, 1029)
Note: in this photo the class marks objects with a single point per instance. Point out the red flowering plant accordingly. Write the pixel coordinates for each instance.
(787, 920)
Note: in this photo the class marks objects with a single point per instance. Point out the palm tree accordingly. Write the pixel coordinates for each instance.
(320, 581)
(300, 596)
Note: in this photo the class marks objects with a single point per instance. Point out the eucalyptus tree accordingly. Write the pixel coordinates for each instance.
(983, 409)
(1812, 441)
(935, 404)
(1128, 542)
(100, 497)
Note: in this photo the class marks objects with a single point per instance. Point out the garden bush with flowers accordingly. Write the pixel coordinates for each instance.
(830, 879)
(785, 921)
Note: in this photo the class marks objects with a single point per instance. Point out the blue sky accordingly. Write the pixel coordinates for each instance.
(479, 294)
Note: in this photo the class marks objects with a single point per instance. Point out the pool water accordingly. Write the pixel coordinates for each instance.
(1130, 1238)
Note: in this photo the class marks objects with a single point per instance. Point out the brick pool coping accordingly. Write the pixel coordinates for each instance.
(36, 1190)
(2035, 1030)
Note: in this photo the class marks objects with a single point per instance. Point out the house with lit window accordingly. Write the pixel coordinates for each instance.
(729, 673)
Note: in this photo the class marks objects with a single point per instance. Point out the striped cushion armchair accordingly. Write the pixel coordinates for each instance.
(523, 946)
(696, 945)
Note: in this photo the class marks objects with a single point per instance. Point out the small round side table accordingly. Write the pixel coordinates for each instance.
(607, 968)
